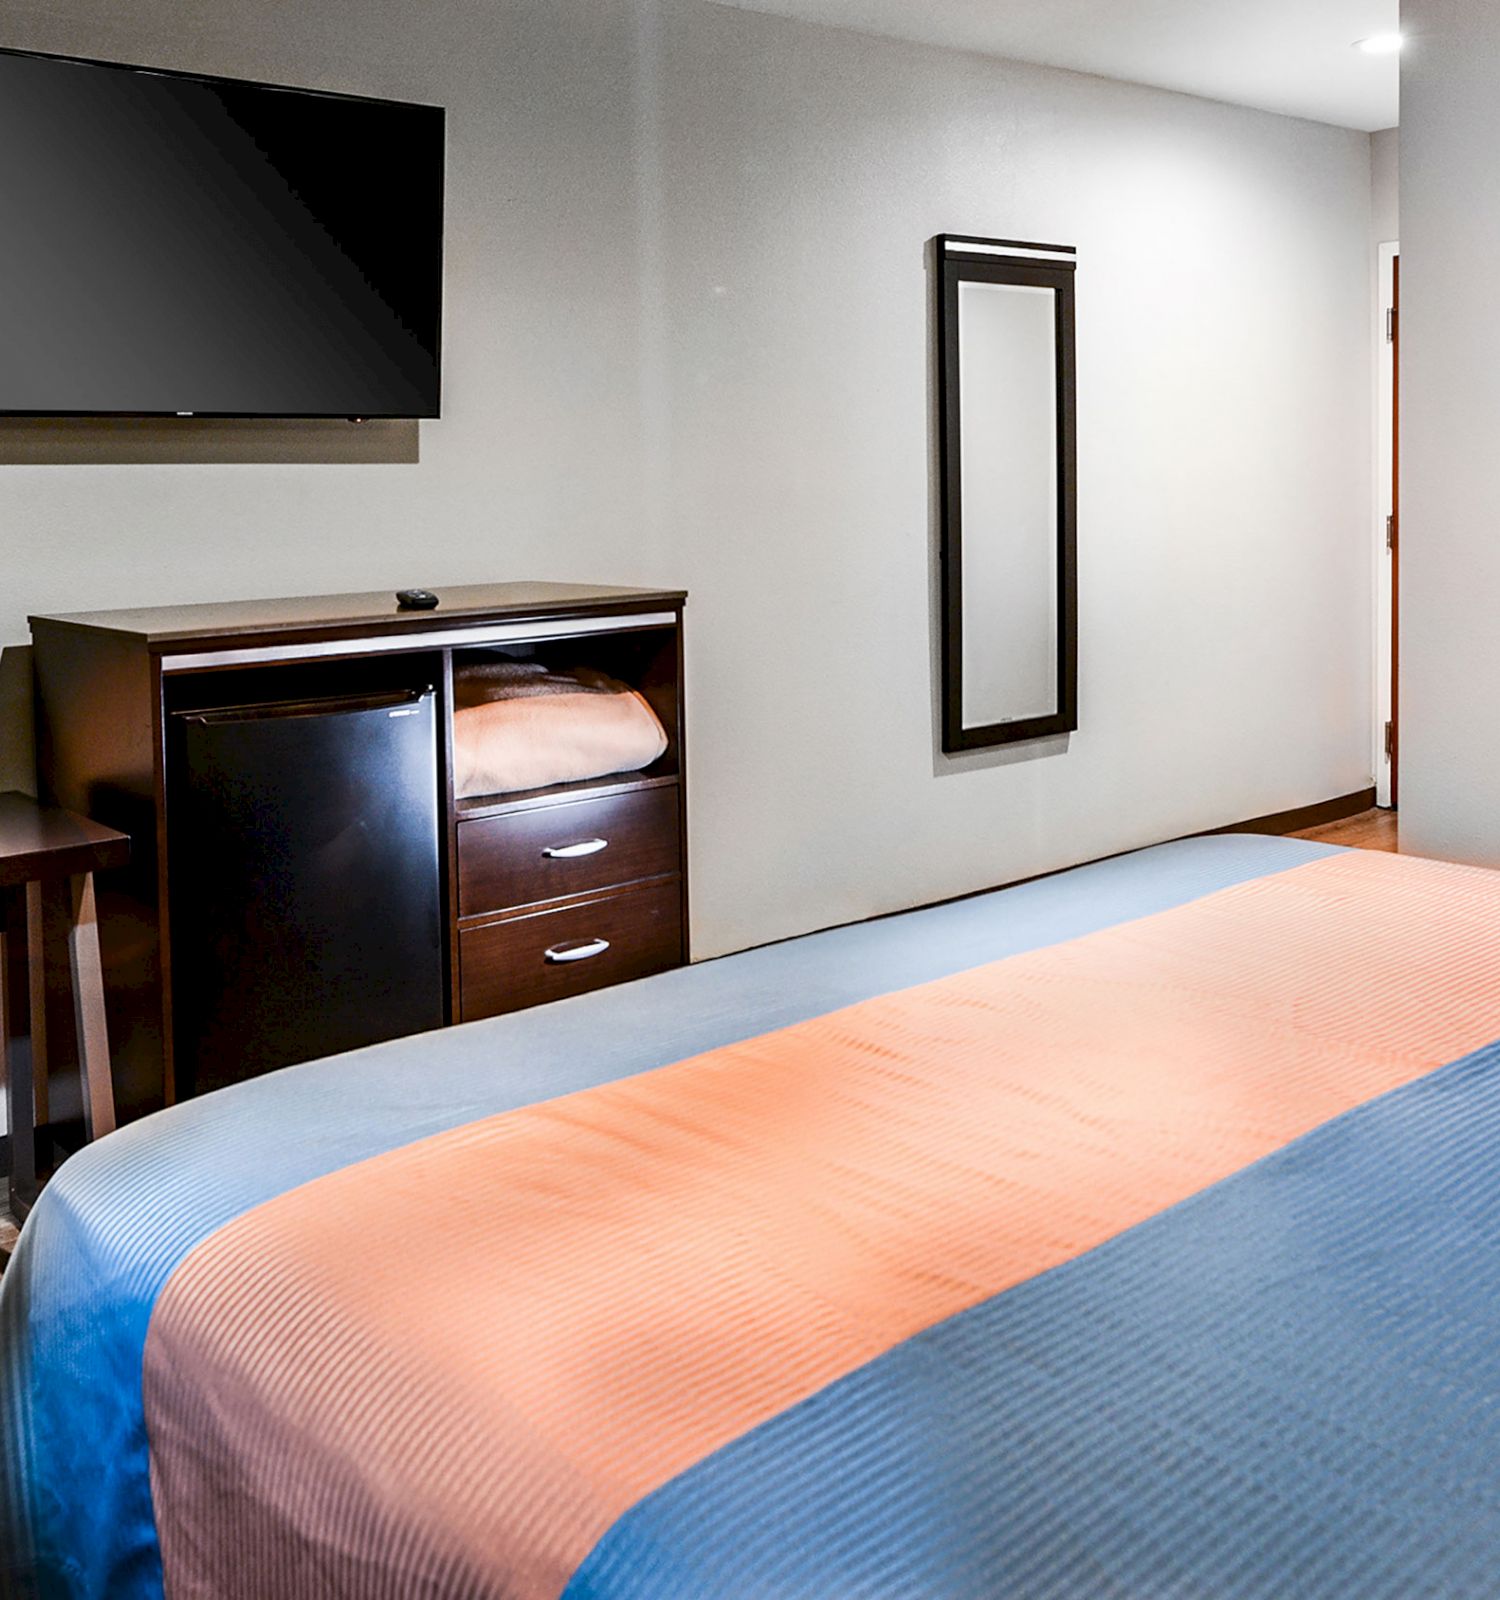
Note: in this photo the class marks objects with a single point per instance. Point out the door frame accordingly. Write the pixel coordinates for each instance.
(1384, 507)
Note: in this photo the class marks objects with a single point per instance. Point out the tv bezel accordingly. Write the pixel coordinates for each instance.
(320, 94)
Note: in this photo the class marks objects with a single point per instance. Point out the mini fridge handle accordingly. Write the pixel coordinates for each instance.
(331, 706)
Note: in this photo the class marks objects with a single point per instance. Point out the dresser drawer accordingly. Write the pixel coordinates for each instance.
(546, 954)
(523, 857)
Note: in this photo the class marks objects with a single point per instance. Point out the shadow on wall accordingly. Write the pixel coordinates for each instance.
(216, 441)
(17, 731)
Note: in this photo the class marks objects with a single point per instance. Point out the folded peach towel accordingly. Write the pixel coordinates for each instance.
(519, 726)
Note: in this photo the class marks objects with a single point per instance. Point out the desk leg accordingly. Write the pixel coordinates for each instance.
(37, 980)
(86, 972)
(20, 1108)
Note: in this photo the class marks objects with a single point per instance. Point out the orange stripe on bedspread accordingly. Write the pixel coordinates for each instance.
(447, 1370)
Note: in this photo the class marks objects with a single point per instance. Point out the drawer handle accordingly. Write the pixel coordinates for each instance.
(571, 852)
(578, 950)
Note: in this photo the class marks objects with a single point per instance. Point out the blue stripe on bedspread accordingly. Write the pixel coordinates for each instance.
(1286, 1386)
(120, 1216)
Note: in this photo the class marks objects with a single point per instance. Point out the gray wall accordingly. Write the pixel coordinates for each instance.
(687, 344)
(1450, 404)
(1385, 184)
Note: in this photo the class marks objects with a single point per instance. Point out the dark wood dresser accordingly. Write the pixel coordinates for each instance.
(535, 895)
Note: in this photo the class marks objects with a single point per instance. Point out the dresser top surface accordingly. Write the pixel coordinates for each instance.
(171, 627)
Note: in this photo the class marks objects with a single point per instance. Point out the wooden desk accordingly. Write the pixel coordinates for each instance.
(541, 893)
(42, 845)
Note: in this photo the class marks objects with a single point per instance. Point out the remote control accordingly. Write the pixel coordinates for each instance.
(416, 599)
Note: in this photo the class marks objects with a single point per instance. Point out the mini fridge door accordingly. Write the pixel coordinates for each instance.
(306, 897)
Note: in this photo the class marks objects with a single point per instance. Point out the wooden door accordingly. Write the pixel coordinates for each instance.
(1395, 734)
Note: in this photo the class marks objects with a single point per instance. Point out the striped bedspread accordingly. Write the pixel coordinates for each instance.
(1134, 1233)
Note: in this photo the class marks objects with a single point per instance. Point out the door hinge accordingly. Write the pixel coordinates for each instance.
(1390, 740)
(1390, 324)
(1390, 531)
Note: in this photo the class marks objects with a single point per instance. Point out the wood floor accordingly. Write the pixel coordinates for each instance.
(1370, 830)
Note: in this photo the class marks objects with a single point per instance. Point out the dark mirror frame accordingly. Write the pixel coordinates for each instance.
(1053, 270)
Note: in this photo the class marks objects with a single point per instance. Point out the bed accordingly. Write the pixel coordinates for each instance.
(1128, 1233)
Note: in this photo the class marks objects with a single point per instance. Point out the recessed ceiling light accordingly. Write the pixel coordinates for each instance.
(1381, 44)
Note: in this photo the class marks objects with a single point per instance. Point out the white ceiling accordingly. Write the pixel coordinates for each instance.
(1292, 56)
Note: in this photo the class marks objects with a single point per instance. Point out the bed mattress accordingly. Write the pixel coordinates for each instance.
(1126, 1233)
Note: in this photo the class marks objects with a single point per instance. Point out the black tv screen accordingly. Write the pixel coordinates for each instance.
(172, 244)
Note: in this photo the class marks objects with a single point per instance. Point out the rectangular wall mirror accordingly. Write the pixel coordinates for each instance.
(1008, 454)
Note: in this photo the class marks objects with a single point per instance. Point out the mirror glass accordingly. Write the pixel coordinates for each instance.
(1008, 464)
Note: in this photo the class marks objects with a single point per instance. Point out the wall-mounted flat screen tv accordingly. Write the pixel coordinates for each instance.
(181, 245)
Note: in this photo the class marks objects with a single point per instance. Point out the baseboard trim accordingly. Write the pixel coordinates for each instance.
(1300, 817)
(1275, 822)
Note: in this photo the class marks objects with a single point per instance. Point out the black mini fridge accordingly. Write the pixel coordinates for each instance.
(304, 879)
